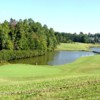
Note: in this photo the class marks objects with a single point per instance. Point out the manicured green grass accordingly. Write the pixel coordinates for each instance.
(75, 46)
(84, 65)
(22, 70)
(79, 80)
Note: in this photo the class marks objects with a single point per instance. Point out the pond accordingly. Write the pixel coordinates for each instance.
(55, 58)
(96, 49)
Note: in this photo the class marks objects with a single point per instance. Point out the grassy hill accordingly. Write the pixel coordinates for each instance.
(79, 80)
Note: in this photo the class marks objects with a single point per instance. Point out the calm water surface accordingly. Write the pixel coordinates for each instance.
(96, 49)
(55, 58)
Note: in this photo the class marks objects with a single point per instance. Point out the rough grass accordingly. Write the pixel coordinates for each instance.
(76, 46)
(79, 80)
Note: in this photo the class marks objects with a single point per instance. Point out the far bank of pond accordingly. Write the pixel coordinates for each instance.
(55, 58)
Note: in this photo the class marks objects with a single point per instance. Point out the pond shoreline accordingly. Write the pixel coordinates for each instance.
(55, 58)
(68, 47)
(76, 46)
(96, 52)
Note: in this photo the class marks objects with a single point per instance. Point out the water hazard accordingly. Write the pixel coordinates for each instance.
(55, 58)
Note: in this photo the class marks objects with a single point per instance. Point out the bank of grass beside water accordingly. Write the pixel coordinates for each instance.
(76, 46)
(79, 80)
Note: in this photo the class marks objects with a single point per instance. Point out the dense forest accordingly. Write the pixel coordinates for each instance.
(29, 35)
(26, 35)
(27, 38)
(73, 37)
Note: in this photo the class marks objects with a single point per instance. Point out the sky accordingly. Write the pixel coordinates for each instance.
(62, 15)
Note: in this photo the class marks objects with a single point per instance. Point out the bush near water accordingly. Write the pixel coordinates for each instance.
(6, 55)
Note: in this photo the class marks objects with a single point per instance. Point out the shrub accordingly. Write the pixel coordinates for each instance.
(7, 55)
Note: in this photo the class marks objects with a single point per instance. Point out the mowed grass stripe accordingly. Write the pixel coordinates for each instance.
(22, 70)
(75, 88)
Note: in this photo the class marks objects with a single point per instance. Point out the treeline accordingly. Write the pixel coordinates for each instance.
(27, 38)
(26, 35)
(84, 38)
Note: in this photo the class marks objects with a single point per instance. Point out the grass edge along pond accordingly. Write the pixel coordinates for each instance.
(76, 46)
(75, 81)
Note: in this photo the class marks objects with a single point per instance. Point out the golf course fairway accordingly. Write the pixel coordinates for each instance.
(79, 80)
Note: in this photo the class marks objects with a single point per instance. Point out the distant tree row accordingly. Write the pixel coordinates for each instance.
(26, 35)
(84, 38)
